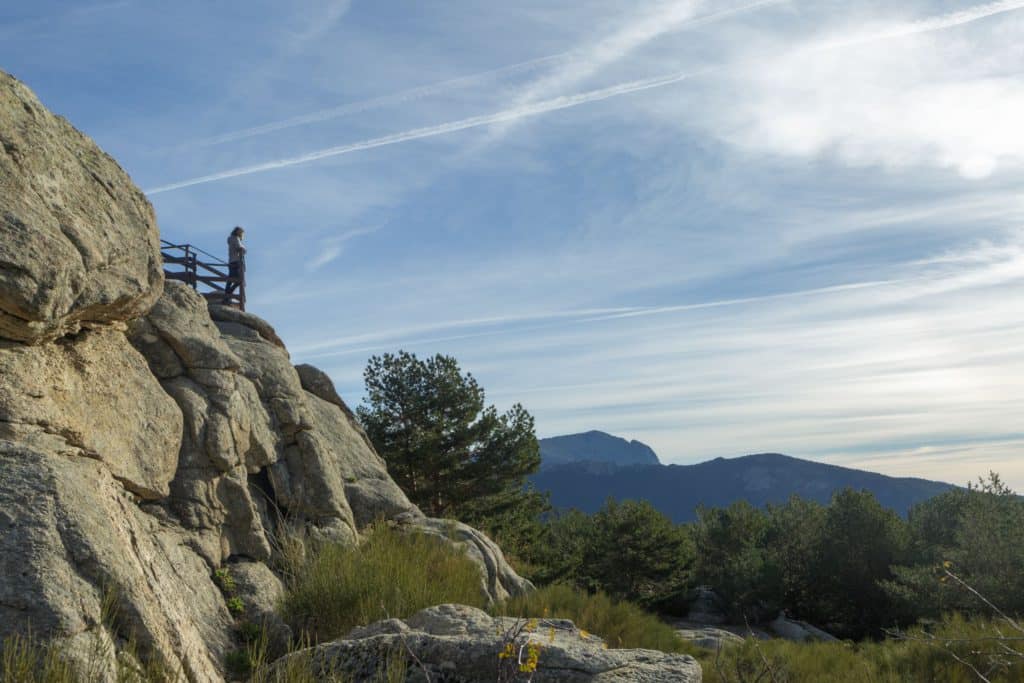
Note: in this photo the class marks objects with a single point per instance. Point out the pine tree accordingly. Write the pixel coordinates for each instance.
(452, 456)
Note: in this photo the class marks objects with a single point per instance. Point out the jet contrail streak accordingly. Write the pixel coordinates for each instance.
(434, 88)
(534, 109)
(938, 23)
(374, 103)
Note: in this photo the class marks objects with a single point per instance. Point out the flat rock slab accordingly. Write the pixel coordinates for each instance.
(460, 644)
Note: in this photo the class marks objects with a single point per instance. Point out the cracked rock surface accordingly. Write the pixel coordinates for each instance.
(460, 644)
(149, 440)
(78, 241)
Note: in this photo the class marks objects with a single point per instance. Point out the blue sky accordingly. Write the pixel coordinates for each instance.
(717, 227)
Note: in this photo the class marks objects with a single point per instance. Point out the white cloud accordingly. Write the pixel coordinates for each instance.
(909, 95)
(331, 248)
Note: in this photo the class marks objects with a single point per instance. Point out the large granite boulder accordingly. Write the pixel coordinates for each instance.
(78, 241)
(459, 644)
(150, 443)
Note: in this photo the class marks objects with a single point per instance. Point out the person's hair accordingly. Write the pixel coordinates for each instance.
(238, 230)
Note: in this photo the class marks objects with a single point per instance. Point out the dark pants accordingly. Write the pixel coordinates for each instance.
(235, 273)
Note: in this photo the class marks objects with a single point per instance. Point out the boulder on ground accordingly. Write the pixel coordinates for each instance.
(459, 644)
(78, 241)
(796, 630)
(709, 637)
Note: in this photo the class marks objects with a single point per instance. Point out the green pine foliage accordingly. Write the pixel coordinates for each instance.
(452, 455)
(635, 552)
(733, 554)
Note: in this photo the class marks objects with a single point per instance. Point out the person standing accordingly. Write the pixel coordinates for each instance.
(236, 262)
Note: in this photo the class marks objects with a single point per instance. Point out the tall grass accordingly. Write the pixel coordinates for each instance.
(390, 574)
(620, 624)
(918, 656)
(25, 660)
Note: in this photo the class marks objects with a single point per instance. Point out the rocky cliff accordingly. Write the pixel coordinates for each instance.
(146, 439)
(149, 440)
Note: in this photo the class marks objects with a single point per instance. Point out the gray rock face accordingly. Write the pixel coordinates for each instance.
(78, 241)
(261, 591)
(498, 580)
(146, 439)
(69, 532)
(459, 644)
(94, 398)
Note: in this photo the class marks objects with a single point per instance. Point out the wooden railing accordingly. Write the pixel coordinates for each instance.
(203, 272)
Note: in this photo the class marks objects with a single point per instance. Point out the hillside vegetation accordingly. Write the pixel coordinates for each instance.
(852, 566)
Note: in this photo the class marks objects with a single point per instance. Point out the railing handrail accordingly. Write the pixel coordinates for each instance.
(191, 264)
(217, 261)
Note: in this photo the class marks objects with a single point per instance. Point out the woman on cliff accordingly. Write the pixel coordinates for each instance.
(236, 262)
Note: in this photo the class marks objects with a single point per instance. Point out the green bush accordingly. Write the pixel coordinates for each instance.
(620, 624)
(391, 574)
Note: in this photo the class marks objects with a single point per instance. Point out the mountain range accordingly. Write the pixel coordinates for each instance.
(576, 480)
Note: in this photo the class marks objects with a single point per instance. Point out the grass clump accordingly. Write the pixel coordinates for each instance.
(25, 660)
(917, 655)
(621, 624)
(390, 574)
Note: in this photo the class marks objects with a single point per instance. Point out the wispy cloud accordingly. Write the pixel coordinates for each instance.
(534, 109)
(331, 248)
(910, 28)
(771, 126)
(666, 17)
(31, 27)
(326, 16)
(927, 100)
(403, 97)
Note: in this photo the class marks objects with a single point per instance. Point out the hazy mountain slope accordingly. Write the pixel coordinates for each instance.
(595, 446)
(677, 490)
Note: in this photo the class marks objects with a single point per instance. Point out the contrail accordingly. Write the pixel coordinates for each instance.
(375, 103)
(570, 318)
(938, 23)
(671, 18)
(719, 303)
(434, 88)
(534, 109)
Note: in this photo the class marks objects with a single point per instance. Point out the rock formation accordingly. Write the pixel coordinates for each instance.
(78, 241)
(457, 644)
(146, 438)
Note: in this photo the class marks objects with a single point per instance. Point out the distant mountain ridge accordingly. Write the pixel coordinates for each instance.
(595, 446)
(677, 490)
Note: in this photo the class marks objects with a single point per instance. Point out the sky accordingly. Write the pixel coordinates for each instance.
(718, 227)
